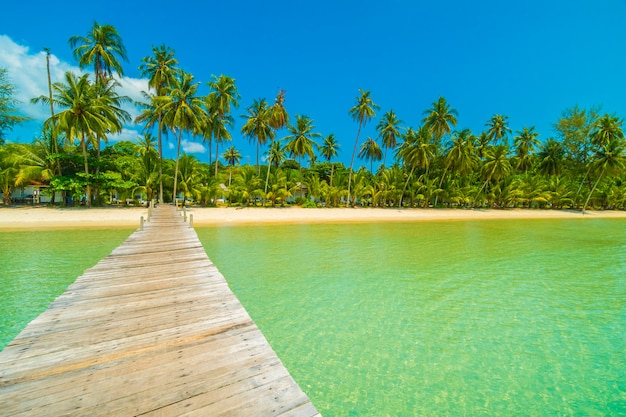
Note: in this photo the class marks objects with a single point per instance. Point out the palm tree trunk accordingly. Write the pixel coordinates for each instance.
(581, 186)
(180, 137)
(406, 184)
(592, 190)
(160, 140)
(332, 169)
(217, 144)
(83, 143)
(356, 144)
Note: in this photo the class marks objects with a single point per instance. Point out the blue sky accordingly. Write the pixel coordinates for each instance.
(528, 59)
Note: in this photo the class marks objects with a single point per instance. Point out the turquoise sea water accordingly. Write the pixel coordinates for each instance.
(37, 266)
(494, 318)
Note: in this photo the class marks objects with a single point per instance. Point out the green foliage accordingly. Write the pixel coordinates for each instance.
(8, 106)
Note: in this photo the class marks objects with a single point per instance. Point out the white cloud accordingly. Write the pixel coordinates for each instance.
(126, 134)
(27, 71)
(192, 147)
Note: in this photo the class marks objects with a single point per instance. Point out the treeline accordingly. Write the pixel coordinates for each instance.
(431, 164)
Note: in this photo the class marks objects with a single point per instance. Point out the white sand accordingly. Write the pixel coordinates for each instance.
(51, 218)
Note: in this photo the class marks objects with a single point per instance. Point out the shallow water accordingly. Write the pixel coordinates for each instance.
(457, 318)
(37, 266)
(493, 318)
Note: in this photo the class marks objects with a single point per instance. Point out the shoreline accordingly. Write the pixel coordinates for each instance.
(49, 218)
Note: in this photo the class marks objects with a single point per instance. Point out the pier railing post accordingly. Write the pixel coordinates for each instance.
(141, 223)
(191, 220)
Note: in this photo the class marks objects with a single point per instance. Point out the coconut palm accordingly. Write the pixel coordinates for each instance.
(182, 110)
(550, 158)
(363, 111)
(278, 118)
(370, 151)
(498, 129)
(100, 47)
(440, 119)
(160, 69)
(388, 131)
(606, 129)
(497, 165)
(301, 138)
(88, 115)
(416, 151)
(329, 149)
(257, 126)
(525, 142)
(8, 106)
(609, 159)
(222, 97)
(232, 156)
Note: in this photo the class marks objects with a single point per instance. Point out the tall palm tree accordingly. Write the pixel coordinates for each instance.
(182, 110)
(370, 151)
(87, 114)
(525, 142)
(606, 129)
(223, 95)
(160, 68)
(278, 118)
(416, 151)
(329, 149)
(440, 119)
(609, 159)
(498, 129)
(232, 156)
(551, 158)
(53, 135)
(497, 165)
(100, 47)
(363, 111)
(301, 138)
(389, 131)
(257, 126)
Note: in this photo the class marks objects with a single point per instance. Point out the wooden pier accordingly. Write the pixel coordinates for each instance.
(151, 330)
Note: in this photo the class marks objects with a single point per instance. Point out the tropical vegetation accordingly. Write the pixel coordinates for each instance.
(431, 163)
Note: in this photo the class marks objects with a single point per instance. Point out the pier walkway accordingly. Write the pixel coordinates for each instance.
(151, 330)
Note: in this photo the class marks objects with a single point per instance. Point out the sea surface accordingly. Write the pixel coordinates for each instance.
(494, 318)
(462, 318)
(37, 266)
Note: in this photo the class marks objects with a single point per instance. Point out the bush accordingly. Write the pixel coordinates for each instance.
(309, 204)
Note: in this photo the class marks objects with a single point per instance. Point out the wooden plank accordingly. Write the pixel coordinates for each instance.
(152, 329)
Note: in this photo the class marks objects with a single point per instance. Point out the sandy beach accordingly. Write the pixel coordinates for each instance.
(56, 218)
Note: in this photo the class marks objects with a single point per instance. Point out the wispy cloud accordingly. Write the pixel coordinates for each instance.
(27, 71)
(192, 147)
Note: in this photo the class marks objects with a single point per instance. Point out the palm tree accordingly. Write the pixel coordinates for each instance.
(232, 156)
(181, 109)
(101, 47)
(440, 119)
(370, 151)
(257, 126)
(606, 129)
(416, 151)
(87, 115)
(498, 129)
(223, 95)
(301, 140)
(53, 135)
(329, 149)
(160, 68)
(388, 131)
(278, 118)
(551, 158)
(497, 165)
(362, 112)
(525, 142)
(609, 159)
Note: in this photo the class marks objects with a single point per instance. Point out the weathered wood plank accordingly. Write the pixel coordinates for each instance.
(152, 329)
